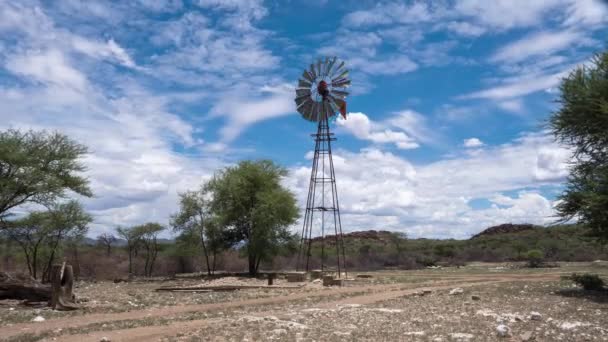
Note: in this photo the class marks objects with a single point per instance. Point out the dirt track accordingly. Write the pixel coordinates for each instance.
(354, 295)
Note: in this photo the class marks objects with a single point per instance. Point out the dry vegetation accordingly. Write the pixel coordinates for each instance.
(389, 306)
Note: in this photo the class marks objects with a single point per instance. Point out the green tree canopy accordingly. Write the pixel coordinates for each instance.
(254, 209)
(147, 234)
(39, 167)
(582, 124)
(195, 220)
(42, 232)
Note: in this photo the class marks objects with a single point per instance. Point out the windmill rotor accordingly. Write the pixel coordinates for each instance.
(321, 90)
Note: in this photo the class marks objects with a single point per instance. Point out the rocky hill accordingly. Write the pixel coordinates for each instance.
(505, 229)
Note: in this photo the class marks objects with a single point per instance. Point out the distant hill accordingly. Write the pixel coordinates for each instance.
(505, 229)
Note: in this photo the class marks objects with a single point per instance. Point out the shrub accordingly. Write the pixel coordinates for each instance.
(588, 281)
(534, 257)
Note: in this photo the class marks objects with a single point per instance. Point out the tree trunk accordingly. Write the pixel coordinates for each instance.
(130, 260)
(62, 280)
(252, 270)
(23, 288)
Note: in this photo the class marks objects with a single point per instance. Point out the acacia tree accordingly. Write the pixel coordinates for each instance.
(582, 124)
(39, 167)
(106, 240)
(195, 219)
(254, 209)
(133, 240)
(148, 234)
(40, 233)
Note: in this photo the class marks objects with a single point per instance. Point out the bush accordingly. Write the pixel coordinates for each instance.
(588, 281)
(534, 258)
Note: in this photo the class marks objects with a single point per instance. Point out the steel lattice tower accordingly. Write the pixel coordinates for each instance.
(322, 205)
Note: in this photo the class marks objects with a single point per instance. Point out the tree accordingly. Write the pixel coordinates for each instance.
(39, 167)
(147, 234)
(106, 240)
(133, 240)
(253, 209)
(42, 232)
(534, 257)
(581, 123)
(398, 240)
(195, 220)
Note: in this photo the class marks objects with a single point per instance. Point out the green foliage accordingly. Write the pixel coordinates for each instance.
(196, 222)
(41, 233)
(39, 167)
(147, 235)
(589, 282)
(534, 257)
(254, 209)
(132, 238)
(582, 124)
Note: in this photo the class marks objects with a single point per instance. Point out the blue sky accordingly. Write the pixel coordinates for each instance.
(445, 134)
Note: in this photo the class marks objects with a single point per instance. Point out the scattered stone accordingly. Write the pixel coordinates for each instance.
(105, 339)
(38, 319)
(456, 291)
(503, 331)
(461, 336)
(475, 297)
(426, 291)
(535, 316)
(414, 333)
(527, 336)
(572, 325)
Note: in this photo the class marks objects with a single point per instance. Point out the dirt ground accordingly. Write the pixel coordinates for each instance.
(479, 302)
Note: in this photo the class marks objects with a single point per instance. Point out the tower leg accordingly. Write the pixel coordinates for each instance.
(319, 200)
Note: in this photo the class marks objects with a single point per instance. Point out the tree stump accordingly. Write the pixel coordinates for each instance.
(62, 280)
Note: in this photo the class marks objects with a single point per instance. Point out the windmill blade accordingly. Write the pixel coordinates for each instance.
(304, 84)
(306, 109)
(319, 68)
(342, 75)
(312, 72)
(338, 69)
(302, 98)
(331, 64)
(339, 103)
(302, 92)
(339, 93)
(314, 112)
(302, 101)
(308, 76)
(341, 83)
(328, 110)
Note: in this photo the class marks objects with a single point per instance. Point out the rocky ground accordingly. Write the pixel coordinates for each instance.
(477, 303)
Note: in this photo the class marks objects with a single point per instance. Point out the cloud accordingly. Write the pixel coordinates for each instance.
(380, 190)
(359, 125)
(472, 142)
(518, 87)
(514, 105)
(47, 67)
(543, 43)
(244, 111)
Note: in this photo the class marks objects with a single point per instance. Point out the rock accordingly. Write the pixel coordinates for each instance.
(535, 316)
(104, 339)
(457, 291)
(461, 337)
(38, 319)
(503, 331)
(426, 291)
(414, 333)
(475, 297)
(527, 336)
